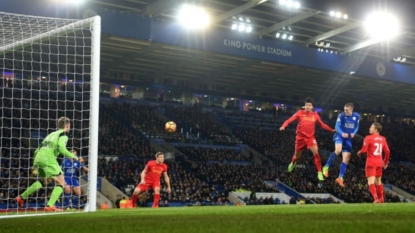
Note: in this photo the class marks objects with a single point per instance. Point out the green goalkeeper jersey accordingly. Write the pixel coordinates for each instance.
(53, 145)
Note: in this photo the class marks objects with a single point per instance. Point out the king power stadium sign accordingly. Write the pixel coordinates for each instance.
(256, 47)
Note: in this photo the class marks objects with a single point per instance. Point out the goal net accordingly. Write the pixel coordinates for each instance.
(49, 68)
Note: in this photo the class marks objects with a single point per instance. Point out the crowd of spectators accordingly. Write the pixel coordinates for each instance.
(117, 139)
(143, 118)
(213, 154)
(205, 167)
(278, 146)
(203, 175)
(202, 123)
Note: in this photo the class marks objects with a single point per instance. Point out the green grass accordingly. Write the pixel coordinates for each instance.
(350, 218)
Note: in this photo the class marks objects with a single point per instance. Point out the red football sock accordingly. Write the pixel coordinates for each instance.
(317, 161)
(294, 159)
(380, 193)
(372, 189)
(156, 199)
(134, 200)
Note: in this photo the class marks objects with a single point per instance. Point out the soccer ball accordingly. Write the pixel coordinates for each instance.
(170, 127)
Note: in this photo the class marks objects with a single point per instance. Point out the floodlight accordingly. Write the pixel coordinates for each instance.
(193, 17)
(241, 27)
(382, 25)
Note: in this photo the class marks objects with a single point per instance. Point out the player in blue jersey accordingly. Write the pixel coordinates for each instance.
(347, 125)
(71, 173)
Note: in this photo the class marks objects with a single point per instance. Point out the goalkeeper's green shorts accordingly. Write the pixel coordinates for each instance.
(46, 166)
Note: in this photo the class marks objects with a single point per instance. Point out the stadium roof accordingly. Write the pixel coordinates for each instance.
(236, 75)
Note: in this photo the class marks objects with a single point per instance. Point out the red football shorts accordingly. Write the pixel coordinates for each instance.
(302, 143)
(373, 171)
(144, 187)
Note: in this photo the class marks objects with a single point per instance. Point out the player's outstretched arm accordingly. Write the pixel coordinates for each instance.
(289, 121)
(62, 148)
(323, 125)
(167, 180)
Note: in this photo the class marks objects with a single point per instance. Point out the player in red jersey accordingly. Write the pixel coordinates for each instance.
(150, 177)
(374, 145)
(305, 138)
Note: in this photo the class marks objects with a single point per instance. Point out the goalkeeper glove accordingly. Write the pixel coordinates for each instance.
(35, 172)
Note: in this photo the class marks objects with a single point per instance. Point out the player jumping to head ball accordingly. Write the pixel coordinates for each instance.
(305, 138)
(347, 125)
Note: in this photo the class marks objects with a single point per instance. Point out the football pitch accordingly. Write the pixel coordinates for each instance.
(350, 218)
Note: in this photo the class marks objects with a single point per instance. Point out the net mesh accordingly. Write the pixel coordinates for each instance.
(44, 74)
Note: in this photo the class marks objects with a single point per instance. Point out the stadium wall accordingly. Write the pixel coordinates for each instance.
(401, 193)
(235, 199)
(282, 196)
(321, 195)
(101, 198)
(110, 190)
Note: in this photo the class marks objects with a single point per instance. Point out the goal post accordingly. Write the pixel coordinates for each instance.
(49, 68)
(94, 119)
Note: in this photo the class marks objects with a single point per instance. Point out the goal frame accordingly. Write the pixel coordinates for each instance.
(95, 26)
(94, 118)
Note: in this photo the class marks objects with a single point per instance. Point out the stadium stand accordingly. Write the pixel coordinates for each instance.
(204, 175)
(143, 119)
(202, 123)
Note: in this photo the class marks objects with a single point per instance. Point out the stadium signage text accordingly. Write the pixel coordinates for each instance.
(256, 47)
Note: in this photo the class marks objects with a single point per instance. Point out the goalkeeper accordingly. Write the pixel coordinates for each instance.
(46, 166)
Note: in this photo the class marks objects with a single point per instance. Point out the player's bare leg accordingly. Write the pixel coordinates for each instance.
(317, 161)
(379, 187)
(343, 167)
(372, 187)
(57, 191)
(296, 156)
(134, 198)
(333, 155)
(156, 197)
